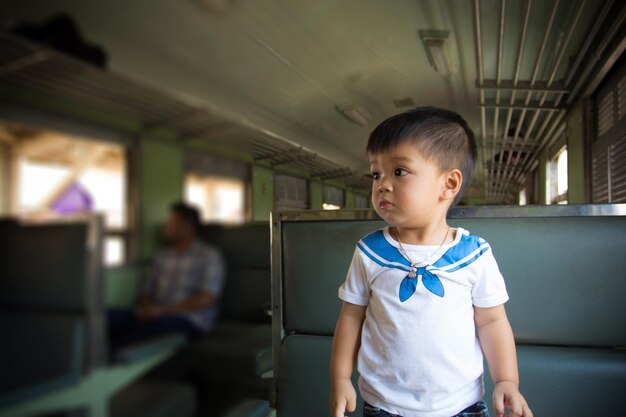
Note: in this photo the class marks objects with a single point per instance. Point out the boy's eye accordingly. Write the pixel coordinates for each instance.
(400, 172)
(375, 176)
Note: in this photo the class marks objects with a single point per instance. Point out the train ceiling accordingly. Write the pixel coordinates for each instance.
(301, 83)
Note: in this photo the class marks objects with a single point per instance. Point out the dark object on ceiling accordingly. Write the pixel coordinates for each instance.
(61, 33)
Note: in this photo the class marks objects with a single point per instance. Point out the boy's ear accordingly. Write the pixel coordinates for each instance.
(452, 184)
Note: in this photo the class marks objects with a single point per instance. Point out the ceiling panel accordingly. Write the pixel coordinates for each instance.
(280, 68)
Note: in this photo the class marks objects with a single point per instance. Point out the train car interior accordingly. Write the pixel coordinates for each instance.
(183, 185)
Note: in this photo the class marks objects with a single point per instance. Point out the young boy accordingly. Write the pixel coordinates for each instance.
(421, 299)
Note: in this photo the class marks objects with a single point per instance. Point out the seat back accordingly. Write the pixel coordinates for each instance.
(246, 250)
(564, 270)
(51, 305)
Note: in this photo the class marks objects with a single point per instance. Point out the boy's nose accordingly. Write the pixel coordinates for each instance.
(384, 185)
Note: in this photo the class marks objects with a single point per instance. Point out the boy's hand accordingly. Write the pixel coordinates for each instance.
(342, 397)
(506, 394)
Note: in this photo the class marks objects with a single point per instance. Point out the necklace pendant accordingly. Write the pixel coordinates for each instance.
(412, 273)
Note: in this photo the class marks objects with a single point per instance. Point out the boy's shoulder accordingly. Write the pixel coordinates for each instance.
(376, 247)
(374, 240)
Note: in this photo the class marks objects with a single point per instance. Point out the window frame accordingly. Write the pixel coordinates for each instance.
(89, 132)
(325, 201)
(606, 120)
(365, 198)
(203, 179)
(288, 204)
(523, 193)
(552, 178)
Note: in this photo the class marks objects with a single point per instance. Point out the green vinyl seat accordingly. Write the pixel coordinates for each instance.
(53, 355)
(564, 269)
(27, 371)
(51, 317)
(240, 344)
(235, 350)
(233, 361)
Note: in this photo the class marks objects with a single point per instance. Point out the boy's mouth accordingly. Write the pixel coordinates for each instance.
(385, 204)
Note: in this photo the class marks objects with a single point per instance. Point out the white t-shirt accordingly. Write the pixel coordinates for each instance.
(419, 355)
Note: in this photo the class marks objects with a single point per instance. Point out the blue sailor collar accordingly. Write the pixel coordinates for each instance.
(465, 249)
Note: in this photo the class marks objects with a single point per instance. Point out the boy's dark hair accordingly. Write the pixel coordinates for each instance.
(440, 134)
(188, 213)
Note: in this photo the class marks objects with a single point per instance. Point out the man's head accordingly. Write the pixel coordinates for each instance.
(421, 160)
(182, 223)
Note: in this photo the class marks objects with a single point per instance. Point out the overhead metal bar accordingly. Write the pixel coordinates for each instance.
(213, 131)
(336, 173)
(287, 156)
(533, 79)
(522, 104)
(295, 157)
(47, 81)
(514, 146)
(264, 151)
(574, 68)
(177, 118)
(540, 135)
(520, 52)
(532, 163)
(500, 53)
(511, 85)
(277, 154)
(478, 40)
(599, 52)
(27, 67)
(499, 166)
(87, 82)
(583, 50)
(358, 181)
(24, 61)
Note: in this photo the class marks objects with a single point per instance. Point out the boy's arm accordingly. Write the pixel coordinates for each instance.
(498, 344)
(346, 344)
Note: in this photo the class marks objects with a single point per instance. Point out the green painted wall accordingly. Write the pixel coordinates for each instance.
(122, 285)
(475, 200)
(543, 175)
(262, 193)
(576, 156)
(349, 199)
(316, 195)
(161, 183)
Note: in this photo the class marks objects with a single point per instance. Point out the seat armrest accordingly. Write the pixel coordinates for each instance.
(141, 350)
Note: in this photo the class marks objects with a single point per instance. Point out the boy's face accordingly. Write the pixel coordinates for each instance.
(407, 190)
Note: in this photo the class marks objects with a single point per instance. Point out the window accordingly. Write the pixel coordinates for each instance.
(291, 193)
(556, 185)
(361, 201)
(217, 186)
(60, 175)
(608, 150)
(528, 192)
(219, 199)
(522, 197)
(333, 198)
(327, 206)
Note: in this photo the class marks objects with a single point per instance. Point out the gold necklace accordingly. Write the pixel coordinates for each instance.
(413, 271)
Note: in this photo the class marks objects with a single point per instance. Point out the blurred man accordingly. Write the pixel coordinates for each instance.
(181, 290)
